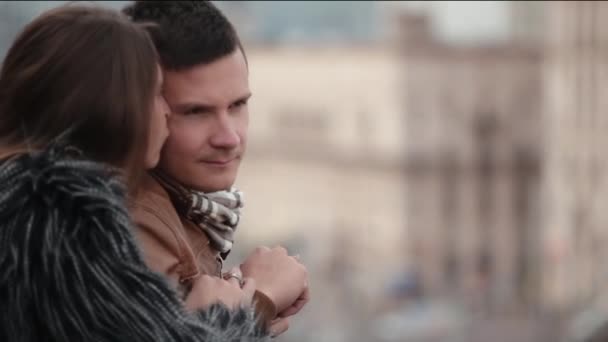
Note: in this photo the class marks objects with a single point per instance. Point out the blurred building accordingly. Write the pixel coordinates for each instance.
(576, 187)
(505, 164)
(323, 174)
(324, 161)
(473, 164)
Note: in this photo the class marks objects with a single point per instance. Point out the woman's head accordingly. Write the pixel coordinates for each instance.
(89, 72)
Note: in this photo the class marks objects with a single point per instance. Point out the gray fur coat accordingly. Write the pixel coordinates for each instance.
(70, 269)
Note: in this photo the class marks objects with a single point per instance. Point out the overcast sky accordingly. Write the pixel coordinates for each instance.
(464, 20)
(454, 20)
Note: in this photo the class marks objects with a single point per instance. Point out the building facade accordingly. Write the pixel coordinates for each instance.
(473, 165)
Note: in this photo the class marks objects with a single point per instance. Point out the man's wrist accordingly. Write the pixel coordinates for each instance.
(265, 308)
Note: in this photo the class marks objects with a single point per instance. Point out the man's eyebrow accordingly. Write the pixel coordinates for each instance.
(189, 105)
(243, 98)
(186, 106)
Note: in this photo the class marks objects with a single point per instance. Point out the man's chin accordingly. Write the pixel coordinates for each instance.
(205, 179)
(207, 186)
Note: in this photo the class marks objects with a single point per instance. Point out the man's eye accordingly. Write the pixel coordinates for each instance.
(194, 111)
(239, 103)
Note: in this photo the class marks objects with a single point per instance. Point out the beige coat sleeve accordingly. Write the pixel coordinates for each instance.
(161, 247)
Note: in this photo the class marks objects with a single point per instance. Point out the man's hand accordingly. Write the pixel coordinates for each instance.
(281, 277)
(297, 305)
(278, 326)
(208, 290)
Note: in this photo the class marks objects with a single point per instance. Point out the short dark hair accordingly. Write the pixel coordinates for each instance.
(87, 75)
(186, 33)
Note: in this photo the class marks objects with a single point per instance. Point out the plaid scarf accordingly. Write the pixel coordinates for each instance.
(217, 214)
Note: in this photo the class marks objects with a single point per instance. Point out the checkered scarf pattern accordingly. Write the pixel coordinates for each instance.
(217, 214)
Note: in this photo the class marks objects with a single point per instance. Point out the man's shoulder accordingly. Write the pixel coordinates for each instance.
(152, 205)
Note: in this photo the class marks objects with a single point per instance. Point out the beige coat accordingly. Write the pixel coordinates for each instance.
(176, 247)
(171, 245)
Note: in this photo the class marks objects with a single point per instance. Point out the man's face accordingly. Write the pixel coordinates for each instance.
(208, 123)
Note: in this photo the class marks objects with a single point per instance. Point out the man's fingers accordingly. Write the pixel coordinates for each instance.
(248, 290)
(262, 249)
(293, 309)
(234, 281)
(297, 305)
(279, 326)
(282, 250)
(234, 277)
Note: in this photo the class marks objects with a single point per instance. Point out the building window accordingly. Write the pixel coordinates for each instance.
(302, 124)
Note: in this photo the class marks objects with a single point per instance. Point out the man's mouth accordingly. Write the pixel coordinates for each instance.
(218, 162)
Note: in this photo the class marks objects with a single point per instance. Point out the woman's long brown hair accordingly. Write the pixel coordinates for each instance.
(82, 72)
